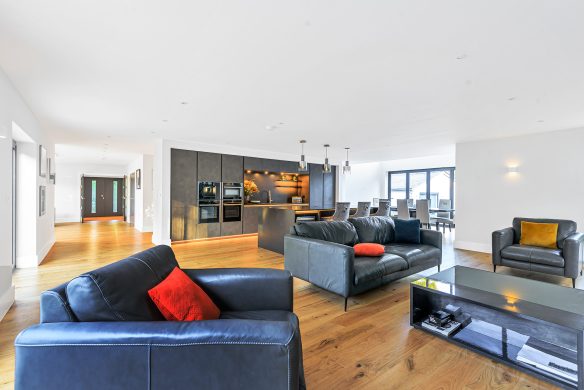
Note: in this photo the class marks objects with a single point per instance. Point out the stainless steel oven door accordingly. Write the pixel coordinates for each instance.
(232, 212)
(208, 213)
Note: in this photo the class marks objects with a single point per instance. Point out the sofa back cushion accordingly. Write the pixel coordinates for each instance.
(119, 291)
(565, 228)
(379, 230)
(407, 231)
(341, 232)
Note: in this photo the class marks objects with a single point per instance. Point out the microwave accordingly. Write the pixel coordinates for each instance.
(233, 191)
(296, 199)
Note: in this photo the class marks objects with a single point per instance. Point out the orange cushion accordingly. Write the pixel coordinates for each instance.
(539, 234)
(369, 249)
(180, 299)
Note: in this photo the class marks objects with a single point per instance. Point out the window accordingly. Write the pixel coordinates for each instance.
(115, 196)
(94, 196)
(435, 184)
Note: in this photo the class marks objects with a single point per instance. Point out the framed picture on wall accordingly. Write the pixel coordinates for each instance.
(42, 161)
(138, 179)
(42, 200)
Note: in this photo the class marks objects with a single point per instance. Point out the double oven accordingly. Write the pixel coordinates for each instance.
(220, 202)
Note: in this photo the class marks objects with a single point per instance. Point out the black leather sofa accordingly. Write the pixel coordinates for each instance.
(322, 253)
(101, 331)
(565, 261)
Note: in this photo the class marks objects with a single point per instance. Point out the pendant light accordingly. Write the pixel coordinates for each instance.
(347, 167)
(326, 167)
(302, 165)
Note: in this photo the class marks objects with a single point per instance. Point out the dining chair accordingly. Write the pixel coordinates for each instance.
(423, 212)
(444, 217)
(341, 211)
(403, 211)
(363, 210)
(383, 209)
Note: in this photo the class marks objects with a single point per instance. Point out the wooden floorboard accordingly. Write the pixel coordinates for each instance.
(371, 346)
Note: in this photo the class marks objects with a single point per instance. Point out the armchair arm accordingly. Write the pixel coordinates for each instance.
(501, 239)
(220, 354)
(573, 255)
(246, 288)
(325, 264)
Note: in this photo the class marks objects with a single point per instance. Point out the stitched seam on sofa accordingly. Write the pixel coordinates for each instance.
(147, 265)
(149, 344)
(121, 317)
(63, 303)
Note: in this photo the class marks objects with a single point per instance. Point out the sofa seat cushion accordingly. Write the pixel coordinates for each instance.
(258, 315)
(415, 254)
(119, 291)
(341, 232)
(370, 268)
(379, 230)
(533, 254)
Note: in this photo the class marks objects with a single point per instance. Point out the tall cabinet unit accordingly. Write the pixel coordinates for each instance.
(322, 187)
(232, 172)
(209, 169)
(183, 195)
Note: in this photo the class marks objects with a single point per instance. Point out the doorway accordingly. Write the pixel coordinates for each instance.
(14, 193)
(102, 198)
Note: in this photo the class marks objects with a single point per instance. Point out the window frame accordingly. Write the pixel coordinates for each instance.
(428, 172)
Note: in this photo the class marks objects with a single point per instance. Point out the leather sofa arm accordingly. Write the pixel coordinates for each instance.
(325, 264)
(573, 253)
(431, 237)
(158, 355)
(501, 239)
(246, 288)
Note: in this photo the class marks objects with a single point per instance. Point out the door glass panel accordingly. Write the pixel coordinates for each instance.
(417, 188)
(115, 196)
(398, 187)
(93, 196)
(440, 189)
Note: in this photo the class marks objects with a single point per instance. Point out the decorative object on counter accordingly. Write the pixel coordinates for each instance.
(249, 188)
(42, 161)
(296, 199)
(138, 179)
(326, 167)
(347, 167)
(302, 165)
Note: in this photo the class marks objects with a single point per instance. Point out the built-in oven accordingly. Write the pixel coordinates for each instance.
(232, 211)
(232, 191)
(209, 211)
(209, 190)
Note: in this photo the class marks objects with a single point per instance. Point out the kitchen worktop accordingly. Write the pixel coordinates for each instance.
(275, 204)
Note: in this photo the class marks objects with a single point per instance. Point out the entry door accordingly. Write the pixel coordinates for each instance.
(132, 197)
(103, 197)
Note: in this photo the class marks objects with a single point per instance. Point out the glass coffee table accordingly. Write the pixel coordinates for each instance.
(533, 326)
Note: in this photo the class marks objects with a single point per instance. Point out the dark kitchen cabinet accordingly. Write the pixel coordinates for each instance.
(183, 194)
(231, 228)
(251, 219)
(253, 164)
(322, 187)
(209, 230)
(209, 166)
(231, 169)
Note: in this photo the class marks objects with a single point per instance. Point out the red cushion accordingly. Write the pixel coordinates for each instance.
(180, 299)
(369, 249)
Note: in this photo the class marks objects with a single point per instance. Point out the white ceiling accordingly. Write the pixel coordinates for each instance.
(389, 78)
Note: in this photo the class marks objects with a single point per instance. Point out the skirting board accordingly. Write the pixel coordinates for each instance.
(472, 246)
(32, 261)
(6, 301)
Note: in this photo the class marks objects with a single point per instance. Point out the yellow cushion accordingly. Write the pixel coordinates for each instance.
(539, 234)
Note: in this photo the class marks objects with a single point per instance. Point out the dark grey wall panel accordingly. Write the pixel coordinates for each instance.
(329, 184)
(250, 219)
(231, 168)
(209, 166)
(231, 228)
(183, 194)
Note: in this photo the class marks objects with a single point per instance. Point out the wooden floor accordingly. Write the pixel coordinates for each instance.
(369, 347)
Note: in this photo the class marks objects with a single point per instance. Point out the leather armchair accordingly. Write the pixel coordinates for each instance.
(255, 343)
(566, 260)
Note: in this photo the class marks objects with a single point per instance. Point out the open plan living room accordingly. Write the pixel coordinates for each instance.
(291, 195)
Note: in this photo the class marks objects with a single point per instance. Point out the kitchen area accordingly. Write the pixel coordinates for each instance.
(220, 195)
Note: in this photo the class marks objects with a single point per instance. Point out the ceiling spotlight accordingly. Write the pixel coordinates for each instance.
(184, 103)
(248, 171)
(165, 120)
(266, 172)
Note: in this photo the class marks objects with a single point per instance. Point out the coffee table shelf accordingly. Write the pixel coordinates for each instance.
(506, 313)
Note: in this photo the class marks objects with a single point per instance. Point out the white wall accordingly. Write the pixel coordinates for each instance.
(369, 180)
(68, 187)
(143, 198)
(549, 183)
(14, 109)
